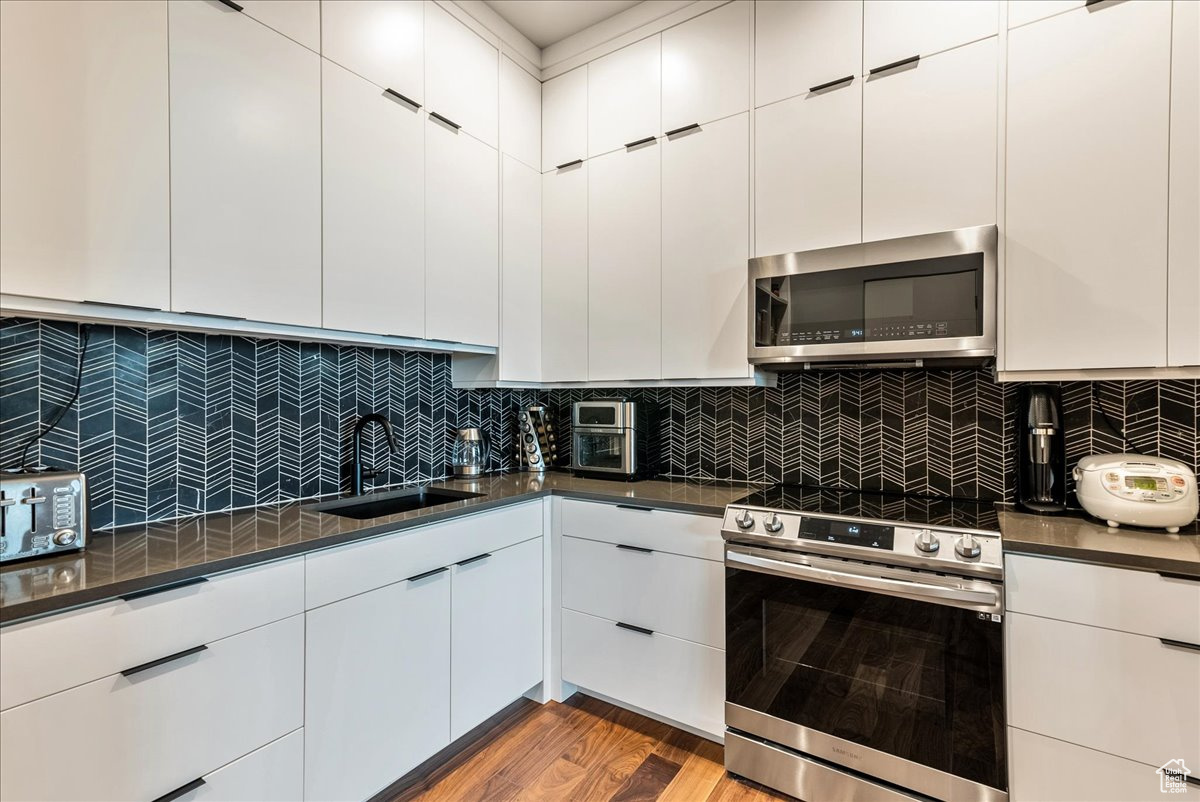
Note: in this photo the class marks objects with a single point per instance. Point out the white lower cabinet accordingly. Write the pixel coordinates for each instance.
(273, 773)
(377, 687)
(142, 734)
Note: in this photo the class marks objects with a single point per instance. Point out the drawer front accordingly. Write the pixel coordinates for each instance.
(1046, 770)
(673, 678)
(53, 654)
(142, 736)
(679, 596)
(1128, 695)
(675, 532)
(347, 570)
(1141, 602)
(274, 773)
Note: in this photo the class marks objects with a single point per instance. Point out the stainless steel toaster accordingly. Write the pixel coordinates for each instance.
(42, 513)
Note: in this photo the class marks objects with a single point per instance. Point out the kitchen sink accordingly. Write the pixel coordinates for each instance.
(380, 504)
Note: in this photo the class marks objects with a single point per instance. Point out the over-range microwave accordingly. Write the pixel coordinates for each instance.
(907, 302)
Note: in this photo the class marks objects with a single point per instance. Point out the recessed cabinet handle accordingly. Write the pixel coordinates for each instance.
(408, 100)
(681, 129)
(635, 628)
(635, 548)
(139, 594)
(235, 7)
(446, 120)
(637, 142)
(831, 84)
(1184, 577)
(212, 314)
(122, 306)
(634, 507)
(170, 796)
(1092, 3)
(1179, 644)
(474, 559)
(895, 64)
(129, 672)
(564, 165)
(427, 574)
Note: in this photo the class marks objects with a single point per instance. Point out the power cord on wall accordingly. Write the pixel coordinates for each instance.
(1129, 446)
(85, 333)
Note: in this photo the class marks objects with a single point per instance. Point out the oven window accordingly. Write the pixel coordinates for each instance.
(597, 415)
(917, 680)
(600, 451)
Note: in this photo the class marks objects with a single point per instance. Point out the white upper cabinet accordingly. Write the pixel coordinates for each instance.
(381, 40)
(520, 114)
(462, 237)
(373, 208)
(520, 272)
(899, 29)
(1086, 238)
(1183, 256)
(565, 274)
(245, 168)
(624, 265)
(565, 118)
(705, 244)
(624, 96)
(808, 171)
(706, 67)
(929, 144)
(298, 20)
(84, 165)
(461, 75)
(800, 45)
(1022, 12)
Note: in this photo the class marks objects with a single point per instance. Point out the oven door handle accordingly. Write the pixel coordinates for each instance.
(985, 600)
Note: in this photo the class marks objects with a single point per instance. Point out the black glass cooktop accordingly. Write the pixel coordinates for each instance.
(918, 510)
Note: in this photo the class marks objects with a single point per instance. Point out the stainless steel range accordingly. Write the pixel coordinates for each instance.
(864, 651)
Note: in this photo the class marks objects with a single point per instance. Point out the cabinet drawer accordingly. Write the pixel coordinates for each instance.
(43, 657)
(347, 570)
(1141, 602)
(678, 596)
(675, 532)
(1047, 770)
(141, 736)
(1128, 695)
(274, 773)
(673, 678)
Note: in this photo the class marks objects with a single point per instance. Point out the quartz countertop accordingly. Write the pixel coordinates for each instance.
(148, 556)
(1075, 536)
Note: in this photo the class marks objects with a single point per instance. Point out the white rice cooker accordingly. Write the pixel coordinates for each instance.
(1136, 490)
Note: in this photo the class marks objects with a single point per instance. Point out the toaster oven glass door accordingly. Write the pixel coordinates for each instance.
(602, 450)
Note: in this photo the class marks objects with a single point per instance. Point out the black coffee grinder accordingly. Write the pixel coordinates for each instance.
(1041, 451)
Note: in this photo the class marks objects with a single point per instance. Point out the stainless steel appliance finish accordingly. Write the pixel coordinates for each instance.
(608, 437)
(537, 439)
(469, 455)
(864, 652)
(42, 513)
(907, 302)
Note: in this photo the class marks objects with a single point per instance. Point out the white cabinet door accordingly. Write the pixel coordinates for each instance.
(461, 74)
(706, 67)
(377, 687)
(705, 244)
(496, 632)
(273, 773)
(565, 274)
(381, 40)
(520, 114)
(624, 92)
(929, 145)
(899, 29)
(462, 237)
(84, 164)
(1183, 255)
(808, 171)
(298, 20)
(521, 273)
(245, 168)
(625, 265)
(1022, 12)
(565, 118)
(801, 45)
(373, 208)
(1086, 239)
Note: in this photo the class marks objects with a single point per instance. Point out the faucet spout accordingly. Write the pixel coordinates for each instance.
(360, 472)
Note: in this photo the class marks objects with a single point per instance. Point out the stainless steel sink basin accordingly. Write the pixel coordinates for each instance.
(378, 505)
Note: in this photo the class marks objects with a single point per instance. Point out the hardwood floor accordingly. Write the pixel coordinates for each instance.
(584, 750)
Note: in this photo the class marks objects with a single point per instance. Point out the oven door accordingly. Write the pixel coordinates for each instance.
(603, 449)
(891, 673)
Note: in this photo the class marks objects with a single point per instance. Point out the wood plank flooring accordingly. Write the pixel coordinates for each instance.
(584, 750)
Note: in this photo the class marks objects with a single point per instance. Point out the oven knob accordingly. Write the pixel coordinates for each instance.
(64, 537)
(927, 542)
(772, 523)
(744, 520)
(967, 547)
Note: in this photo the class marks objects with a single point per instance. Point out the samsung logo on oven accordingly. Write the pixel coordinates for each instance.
(846, 752)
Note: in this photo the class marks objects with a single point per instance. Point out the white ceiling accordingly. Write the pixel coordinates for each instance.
(545, 22)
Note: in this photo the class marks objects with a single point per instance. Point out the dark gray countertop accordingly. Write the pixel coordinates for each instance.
(147, 556)
(1077, 537)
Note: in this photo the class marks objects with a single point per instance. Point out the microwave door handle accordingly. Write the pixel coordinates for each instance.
(953, 597)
